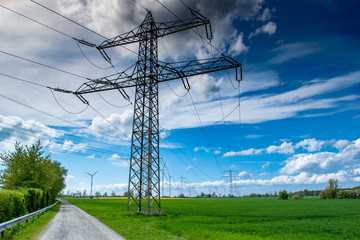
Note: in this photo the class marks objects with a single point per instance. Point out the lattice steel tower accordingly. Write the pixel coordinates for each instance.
(144, 177)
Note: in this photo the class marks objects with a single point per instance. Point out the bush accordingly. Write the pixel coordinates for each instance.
(283, 195)
(12, 205)
(298, 195)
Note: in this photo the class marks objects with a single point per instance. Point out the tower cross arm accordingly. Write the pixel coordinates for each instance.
(167, 72)
(161, 29)
(170, 71)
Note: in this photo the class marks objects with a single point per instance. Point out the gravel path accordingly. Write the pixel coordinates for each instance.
(72, 223)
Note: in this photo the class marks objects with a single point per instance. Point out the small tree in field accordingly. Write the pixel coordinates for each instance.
(331, 191)
(283, 195)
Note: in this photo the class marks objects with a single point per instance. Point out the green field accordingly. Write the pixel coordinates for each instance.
(249, 218)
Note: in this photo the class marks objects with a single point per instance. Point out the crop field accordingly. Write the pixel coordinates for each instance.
(247, 218)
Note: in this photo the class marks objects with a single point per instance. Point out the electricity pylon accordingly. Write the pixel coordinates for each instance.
(233, 174)
(147, 73)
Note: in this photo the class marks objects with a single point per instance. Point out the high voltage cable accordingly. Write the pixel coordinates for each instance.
(58, 140)
(186, 164)
(31, 19)
(42, 64)
(207, 42)
(53, 11)
(206, 137)
(23, 80)
(81, 111)
(56, 101)
(127, 138)
(191, 162)
(77, 43)
(38, 110)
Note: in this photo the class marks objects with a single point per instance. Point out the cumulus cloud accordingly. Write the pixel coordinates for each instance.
(27, 132)
(269, 28)
(238, 46)
(116, 125)
(323, 161)
(244, 175)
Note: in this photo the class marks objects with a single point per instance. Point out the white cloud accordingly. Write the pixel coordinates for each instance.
(237, 47)
(67, 146)
(216, 152)
(265, 165)
(284, 148)
(266, 15)
(311, 145)
(323, 161)
(115, 156)
(293, 50)
(269, 28)
(244, 175)
(116, 125)
(122, 163)
(69, 177)
(27, 132)
(91, 156)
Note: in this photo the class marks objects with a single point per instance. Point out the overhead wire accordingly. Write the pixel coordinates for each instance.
(115, 127)
(91, 62)
(206, 136)
(53, 11)
(57, 140)
(59, 118)
(81, 111)
(42, 64)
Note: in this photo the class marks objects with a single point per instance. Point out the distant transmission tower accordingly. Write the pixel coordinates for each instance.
(231, 175)
(147, 73)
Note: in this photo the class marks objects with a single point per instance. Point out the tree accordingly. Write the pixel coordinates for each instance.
(331, 191)
(98, 194)
(105, 194)
(29, 167)
(84, 193)
(113, 194)
(283, 195)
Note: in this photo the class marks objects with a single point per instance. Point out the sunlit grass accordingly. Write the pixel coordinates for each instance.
(259, 218)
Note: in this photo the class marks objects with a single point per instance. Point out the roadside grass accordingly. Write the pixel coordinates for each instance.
(33, 228)
(249, 218)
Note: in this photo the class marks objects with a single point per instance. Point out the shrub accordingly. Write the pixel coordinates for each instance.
(298, 195)
(12, 205)
(283, 195)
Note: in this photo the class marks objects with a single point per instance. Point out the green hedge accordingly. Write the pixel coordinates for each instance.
(16, 203)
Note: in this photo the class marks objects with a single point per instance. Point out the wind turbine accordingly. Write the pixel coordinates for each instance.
(91, 175)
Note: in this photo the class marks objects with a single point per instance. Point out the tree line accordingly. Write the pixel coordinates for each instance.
(31, 180)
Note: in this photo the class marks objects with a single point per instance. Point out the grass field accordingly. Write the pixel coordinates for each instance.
(251, 218)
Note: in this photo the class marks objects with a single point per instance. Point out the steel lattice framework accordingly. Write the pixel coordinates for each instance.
(147, 73)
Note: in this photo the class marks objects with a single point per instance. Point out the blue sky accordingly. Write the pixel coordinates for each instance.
(296, 125)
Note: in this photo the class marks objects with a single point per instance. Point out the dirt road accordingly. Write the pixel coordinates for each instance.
(73, 223)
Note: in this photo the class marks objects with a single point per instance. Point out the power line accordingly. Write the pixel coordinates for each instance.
(23, 80)
(109, 122)
(81, 111)
(38, 110)
(77, 43)
(201, 125)
(33, 20)
(53, 11)
(42, 64)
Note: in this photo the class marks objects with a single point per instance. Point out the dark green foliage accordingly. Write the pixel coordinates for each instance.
(298, 195)
(283, 195)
